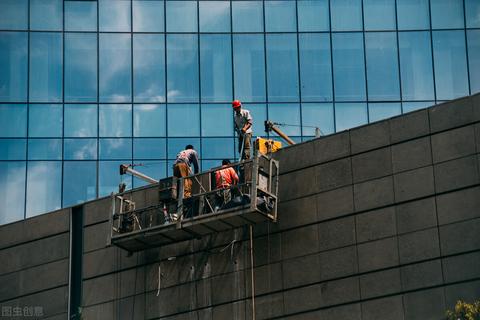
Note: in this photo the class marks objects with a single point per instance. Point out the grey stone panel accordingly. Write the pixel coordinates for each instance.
(266, 307)
(371, 165)
(476, 106)
(451, 114)
(335, 203)
(477, 137)
(332, 147)
(390, 308)
(420, 245)
(462, 267)
(378, 254)
(460, 237)
(468, 291)
(459, 205)
(422, 275)
(268, 279)
(61, 316)
(345, 312)
(416, 215)
(204, 293)
(302, 299)
(411, 155)
(299, 242)
(96, 236)
(267, 249)
(297, 212)
(234, 311)
(380, 283)
(409, 126)
(373, 194)
(104, 311)
(376, 224)
(296, 157)
(453, 144)
(228, 287)
(338, 263)
(228, 260)
(131, 308)
(456, 174)
(175, 272)
(333, 175)
(297, 184)
(301, 271)
(336, 233)
(170, 301)
(426, 304)
(369, 137)
(112, 258)
(97, 211)
(414, 184)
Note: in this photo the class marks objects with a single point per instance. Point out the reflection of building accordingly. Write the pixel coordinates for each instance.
(115, 87)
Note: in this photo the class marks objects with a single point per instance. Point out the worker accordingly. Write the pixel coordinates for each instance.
(225, 178)
(182, 168)
(243, 126)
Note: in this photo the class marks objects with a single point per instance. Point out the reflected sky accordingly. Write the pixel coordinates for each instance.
(44, 187)
(12, 187)
(80, 149)
(214, 16)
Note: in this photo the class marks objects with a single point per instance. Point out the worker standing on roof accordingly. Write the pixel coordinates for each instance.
(243, 126)
(225, 178)
(182, 169)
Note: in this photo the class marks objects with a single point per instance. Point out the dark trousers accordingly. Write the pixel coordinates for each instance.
(246, 148)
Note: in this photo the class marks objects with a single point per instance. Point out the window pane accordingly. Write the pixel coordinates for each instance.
(13, 120)
(13, 16)
(451, 80)
(109, 177)
(12, 189)
(380, 111)
(379, 14)
(115, 120)
(214, 16)
(411, 106)
(413, 14)
(149, 67)
(472, 8)
(346, 15)
(44, 149)
(217, 120)
(416, 65)
(13, 63)
(80, 16)
(45, 120)
(247, 16)
(318, 115)
(46, 14)
(259, 115)
(382, 66)
(80, 120)
(282, 66)
(288, 114)
(280, 16)
(216, 68)
(79, 182)
(44, 187)
(80, 149)
(149, 120)
(182, 16)
(249, 66)
(473, 39)
(114, 15)
(183, 120)
(110, 149)
(115, 68)
(80, 67)
(13, 149)
(150, 148)
(148, 16)
(350, 115)
(348, 66)
(182, 68)
(313, 15)
(176, 145)
(315, 67)
(154, 169)
(217, 148)
(447, 14)
(46, 67)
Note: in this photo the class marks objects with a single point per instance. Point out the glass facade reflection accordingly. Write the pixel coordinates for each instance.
(88, 85)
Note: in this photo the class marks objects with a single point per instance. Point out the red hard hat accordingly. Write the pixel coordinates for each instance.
(236, 104)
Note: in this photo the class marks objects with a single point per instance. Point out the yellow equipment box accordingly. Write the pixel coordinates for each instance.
(265, 146)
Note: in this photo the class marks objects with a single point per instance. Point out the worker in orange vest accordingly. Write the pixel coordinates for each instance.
(225, 178)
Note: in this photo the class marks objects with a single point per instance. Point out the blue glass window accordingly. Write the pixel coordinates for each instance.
(46, 120)
(13, 14)
(13, 149)
(81, 120)
(46, 67)
(380, 111)
(318, 115)
(472, 13)
(214, 16)
(379, 14)
(413, 14)
(109, 177)
(44, 149)
(247, 16)
(382, 66)
(150, 148)
(13, 63)
(46, 15)
(114, 15)
(79, 182)
(473, 39)
(412, 106)
(348, 66)
(346, 15)
(80, 15)
(115, 68)
(12, 187)
(148, 16)
(182, 68)
(315, 67)
(80, 67)
(216, 67)
(183, 120)
(153, 169)
(282, 66)
(259, 115)
(313, 15)
(286, 113)
(451, 80)
(80, 149)
(447, 14)
(44, 187)
(280, 16)
(416, 66)
(13, 120)
(149, 120)
(115, 120)
(181, 16)
(350, 115)
(149, 67)
(217, 120)
(110, 149)
(176, 145)
(249, 67)
(217, 148)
